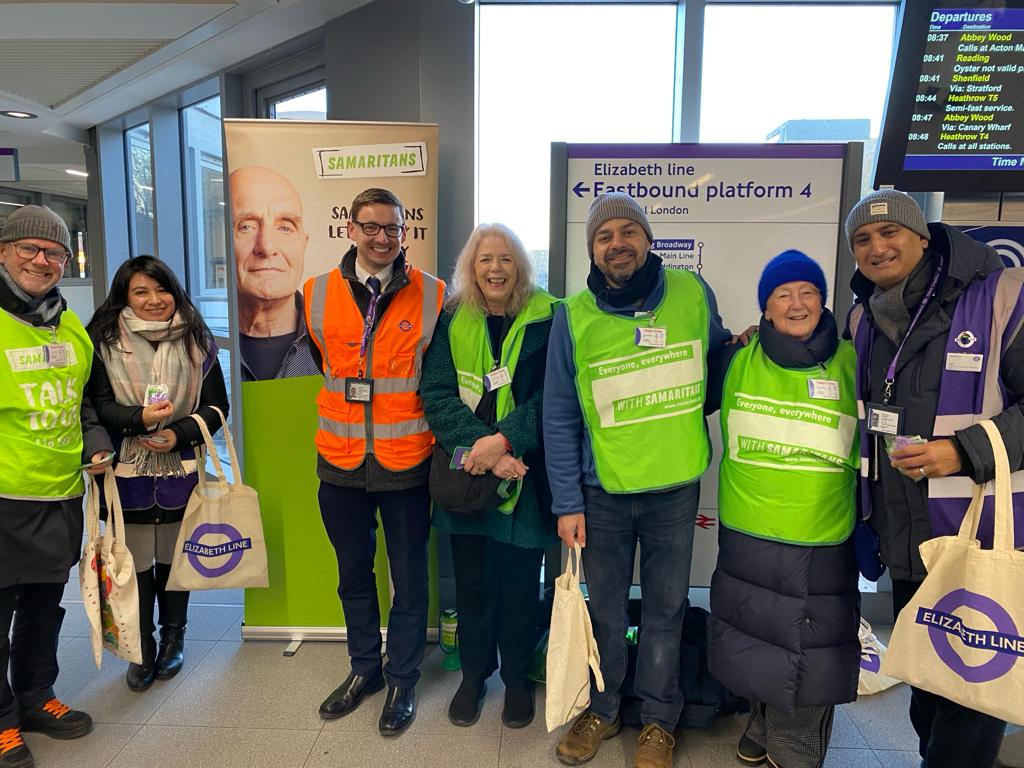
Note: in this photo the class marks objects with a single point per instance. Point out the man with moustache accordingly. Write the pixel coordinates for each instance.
(937, 331)
(370, 321)
(626, 444)
(49, 430)
(270, 242)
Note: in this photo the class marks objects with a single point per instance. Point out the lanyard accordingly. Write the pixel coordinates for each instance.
(890, 373)
(371, 316)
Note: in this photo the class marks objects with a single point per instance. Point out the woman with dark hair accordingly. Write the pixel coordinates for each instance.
(482, 388)
(155, 365)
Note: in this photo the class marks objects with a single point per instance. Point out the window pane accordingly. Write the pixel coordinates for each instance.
(311, 105)
(204, 212)
(544, 76)
(139, 152)
(73, 213)
(791, 85)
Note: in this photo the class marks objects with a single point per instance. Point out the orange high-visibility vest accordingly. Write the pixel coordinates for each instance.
(392, 426)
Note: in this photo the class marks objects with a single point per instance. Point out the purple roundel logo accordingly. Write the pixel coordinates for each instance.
(235, 546)
(405, 325)
(1005, 641)
(870, 660)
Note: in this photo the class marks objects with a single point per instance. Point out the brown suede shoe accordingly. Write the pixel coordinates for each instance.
(580, 742)
(654, 748)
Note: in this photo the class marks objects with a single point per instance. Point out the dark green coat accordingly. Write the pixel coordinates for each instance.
(531, 523)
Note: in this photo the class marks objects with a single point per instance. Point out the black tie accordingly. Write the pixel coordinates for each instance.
(373, 283)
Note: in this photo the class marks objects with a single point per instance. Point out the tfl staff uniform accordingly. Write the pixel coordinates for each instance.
(374, 446)
(957, 314)
(44, 367)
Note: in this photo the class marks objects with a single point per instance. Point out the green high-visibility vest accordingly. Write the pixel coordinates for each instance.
(474, 358)
(789, 464)
(42, 376)
(644, 406)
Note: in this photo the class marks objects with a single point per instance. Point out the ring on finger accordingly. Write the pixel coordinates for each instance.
(923, 473)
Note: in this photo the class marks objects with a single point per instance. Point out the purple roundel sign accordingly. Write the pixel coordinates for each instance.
(235, 546)
(1004, 642)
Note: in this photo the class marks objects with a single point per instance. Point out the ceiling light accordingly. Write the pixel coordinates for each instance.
(18, 114)
(16, 205)
(73, 172)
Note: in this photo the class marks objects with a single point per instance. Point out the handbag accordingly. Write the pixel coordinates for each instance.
(962, 634)
(461, 493)
(220, 544)
(572, 650)
(106, 573)
(872, 651)
(457, 491)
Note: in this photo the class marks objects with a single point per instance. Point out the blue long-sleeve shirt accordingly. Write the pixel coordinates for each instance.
(568, 453)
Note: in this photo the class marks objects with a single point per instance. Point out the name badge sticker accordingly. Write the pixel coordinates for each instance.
(57, 355)
(651, 336)
(964, 361)
(823, 389)
(498, 378)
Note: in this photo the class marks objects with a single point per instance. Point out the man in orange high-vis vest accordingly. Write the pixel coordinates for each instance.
(369, 321)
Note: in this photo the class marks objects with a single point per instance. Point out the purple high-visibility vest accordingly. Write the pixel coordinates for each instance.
(991, 310)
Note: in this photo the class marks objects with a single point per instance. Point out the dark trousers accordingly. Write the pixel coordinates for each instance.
(952, 736)
(31, 650)
(497, 590)
(349, 515)
(662, 523)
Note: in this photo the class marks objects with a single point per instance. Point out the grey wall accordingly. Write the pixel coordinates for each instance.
(414, 61)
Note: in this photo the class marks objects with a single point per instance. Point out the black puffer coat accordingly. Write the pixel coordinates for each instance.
(784, 617)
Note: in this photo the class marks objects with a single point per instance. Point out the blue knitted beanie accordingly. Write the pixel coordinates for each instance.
(787, 267)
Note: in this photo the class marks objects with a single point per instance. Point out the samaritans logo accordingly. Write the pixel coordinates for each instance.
(979, 654)
(774, 433)
(652, 384)
(41, 357)
(371, 160)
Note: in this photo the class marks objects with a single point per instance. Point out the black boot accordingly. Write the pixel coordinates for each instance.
(141, 676)
(173, 618)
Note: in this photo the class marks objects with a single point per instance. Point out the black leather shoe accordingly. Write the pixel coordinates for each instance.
(519, 709)
(141, 676)
(467, 703)
(171, 653)
(346, 697)
(399, 711)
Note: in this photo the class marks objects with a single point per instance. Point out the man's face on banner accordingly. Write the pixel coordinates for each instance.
(269, 236)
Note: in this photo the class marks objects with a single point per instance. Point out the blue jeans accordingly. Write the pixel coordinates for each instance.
(663, 525)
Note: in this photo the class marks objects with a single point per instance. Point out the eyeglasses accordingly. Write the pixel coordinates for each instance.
(372, 228)
(55, 256)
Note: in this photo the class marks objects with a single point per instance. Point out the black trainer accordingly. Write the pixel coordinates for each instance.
(56, 719)
(519, 707)
(749, 752)
(13, 750)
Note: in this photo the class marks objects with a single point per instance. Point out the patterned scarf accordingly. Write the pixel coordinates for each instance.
(152, 352)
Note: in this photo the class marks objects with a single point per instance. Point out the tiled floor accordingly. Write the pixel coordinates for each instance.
(246, 704)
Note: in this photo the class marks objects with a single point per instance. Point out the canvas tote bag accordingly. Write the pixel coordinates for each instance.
(572, 651)
(962, 635)
(221, 544)
(872, 651)
(106, 572)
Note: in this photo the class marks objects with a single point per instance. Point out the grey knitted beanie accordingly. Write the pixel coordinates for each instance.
(614, 205)
(39, 222)
(887, 205)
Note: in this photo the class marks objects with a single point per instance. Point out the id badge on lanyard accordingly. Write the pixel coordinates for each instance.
(359, 388)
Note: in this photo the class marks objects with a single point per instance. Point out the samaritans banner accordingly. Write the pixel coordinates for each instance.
(290, 186)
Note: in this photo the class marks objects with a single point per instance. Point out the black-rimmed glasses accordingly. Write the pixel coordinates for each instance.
(371, 228)
(55, 256)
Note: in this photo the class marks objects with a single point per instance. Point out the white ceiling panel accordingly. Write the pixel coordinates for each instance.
(127, 21)
(68, 68)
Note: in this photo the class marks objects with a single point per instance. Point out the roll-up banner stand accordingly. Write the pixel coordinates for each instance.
(290, 185)
(723, 211)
